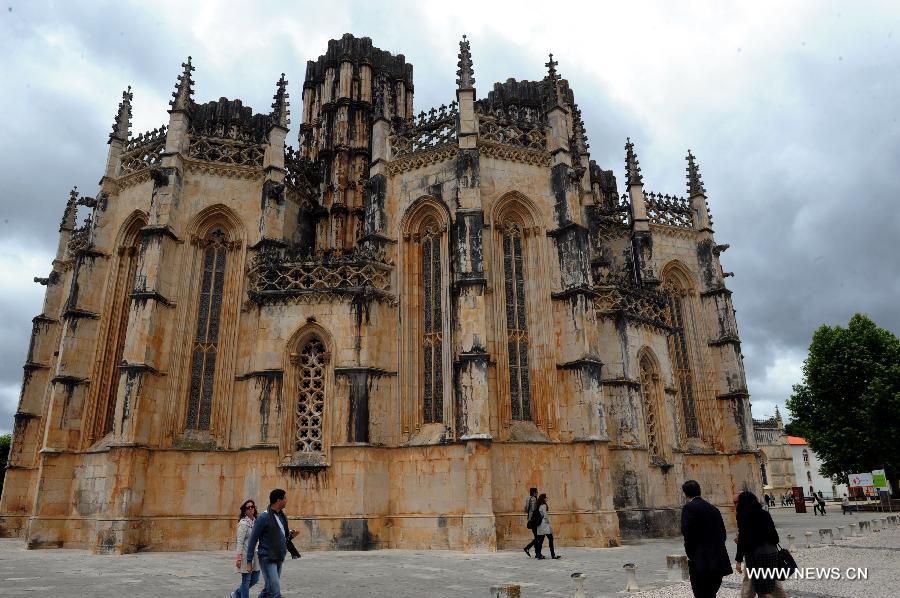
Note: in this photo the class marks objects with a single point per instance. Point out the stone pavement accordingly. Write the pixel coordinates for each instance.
(409, 573)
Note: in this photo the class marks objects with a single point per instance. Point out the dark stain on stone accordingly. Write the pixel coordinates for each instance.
(354, 535)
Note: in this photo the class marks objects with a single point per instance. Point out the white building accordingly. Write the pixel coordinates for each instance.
(806, 471)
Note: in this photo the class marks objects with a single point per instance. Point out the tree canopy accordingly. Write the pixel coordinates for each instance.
(848, 404)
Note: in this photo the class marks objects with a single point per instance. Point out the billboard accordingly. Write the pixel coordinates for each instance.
(879, 480)
(860, 479)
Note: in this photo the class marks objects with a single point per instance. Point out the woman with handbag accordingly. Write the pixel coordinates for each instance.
(543, 529)
(757, 546)
(245, 525)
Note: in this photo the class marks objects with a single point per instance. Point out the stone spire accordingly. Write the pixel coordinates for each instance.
(184, 89)
(553, 79)
(551, 70)
(632, 167)
(465, 75)
(121, 129)
(280, 113)
(69, 214)
(694, 182)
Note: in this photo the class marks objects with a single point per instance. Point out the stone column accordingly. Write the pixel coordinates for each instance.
(479, 523)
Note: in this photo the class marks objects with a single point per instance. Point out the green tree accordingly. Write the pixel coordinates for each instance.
(792, 428)
(5, 441)
(848, 404)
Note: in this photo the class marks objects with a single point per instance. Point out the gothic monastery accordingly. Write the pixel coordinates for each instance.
(405, 322)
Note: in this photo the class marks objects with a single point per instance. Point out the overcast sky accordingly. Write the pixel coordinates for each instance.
(790, 107)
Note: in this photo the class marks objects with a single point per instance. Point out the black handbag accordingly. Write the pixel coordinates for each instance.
(535, 520)
(786, 564)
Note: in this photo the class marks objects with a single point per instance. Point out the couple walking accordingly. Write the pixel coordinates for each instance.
(262, 543)
(539, 523)
(704, 543)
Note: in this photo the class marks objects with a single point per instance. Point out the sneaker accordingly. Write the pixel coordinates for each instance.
(527, 552)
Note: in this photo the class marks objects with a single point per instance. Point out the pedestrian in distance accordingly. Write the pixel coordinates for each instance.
(244, 529)
(544, 530)
(704, 542)
(530, 508)
(820, 503)
(757, 546)
(845, 506)
(766, 497)
(271, 539)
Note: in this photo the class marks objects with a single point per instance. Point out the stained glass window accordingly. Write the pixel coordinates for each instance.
(209, 311)
(432, 329)
(128, 267)
(516, 326)
(310, 366)
(649, 395)
(680, 360)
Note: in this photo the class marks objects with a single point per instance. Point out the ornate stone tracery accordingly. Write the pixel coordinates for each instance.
(516, 320)
(650, 397)
(310, 365)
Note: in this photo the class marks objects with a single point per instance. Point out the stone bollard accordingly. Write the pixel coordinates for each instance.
(631, 584)
(893, 520)
(840, 534)
(825, 536)
(876, 525)
(884, 523)
(863, 527)
(677, 566)
(506, 590)
(853, 530)
(579, 585)
(791, 546)
(808, 539)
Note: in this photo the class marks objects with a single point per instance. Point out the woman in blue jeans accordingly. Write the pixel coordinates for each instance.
(245, 525)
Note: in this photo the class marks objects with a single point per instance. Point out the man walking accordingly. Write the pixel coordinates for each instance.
(273, 536)
(704, 543)
(530, 506)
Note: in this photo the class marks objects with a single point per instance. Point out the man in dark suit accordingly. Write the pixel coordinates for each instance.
(704, 542)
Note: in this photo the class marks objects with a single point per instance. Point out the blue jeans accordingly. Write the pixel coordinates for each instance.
(271, 572)
(248, 580)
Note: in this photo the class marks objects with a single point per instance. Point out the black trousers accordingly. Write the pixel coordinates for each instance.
(534, 541)
(705, 585)
(540, 544)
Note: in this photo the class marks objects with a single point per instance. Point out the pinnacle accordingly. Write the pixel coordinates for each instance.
(694, 181)
(121, 128)
(280, 104)
(632, 166)
(465, 75)
(69, 214)
(184, 89)
(551, 69)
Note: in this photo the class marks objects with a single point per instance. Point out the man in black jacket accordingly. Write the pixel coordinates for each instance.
(704, 542)
(274, 539)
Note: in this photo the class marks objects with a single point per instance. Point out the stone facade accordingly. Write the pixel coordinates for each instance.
(405, 323)
(775, 461)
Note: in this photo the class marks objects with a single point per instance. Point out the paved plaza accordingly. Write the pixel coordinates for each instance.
(409, 573)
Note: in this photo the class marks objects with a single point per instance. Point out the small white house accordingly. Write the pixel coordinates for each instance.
(806, 470)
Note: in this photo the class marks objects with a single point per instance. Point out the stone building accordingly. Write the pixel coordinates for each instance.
(776, 464)
(806, 466)
(405, 322)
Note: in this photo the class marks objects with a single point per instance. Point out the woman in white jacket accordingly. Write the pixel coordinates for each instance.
(544, 530)
(244, 527)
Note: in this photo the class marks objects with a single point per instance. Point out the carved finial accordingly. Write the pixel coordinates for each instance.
(777, 414)
(121, 129)
(280, 112)
(551, 69)
(184, 89)
(632, 166)
(694, 181)
(465, 75)
(69, 214)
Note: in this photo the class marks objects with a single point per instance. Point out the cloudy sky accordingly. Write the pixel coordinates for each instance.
(791, 109)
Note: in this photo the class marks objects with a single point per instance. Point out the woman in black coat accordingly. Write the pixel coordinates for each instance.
(757, 544)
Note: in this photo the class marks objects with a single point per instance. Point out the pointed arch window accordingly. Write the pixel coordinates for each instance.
(679, 309)
(516, 321)
(650, 397)
(432, 329)
(310, 367)
(206, 339)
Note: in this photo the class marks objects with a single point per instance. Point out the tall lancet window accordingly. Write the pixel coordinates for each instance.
(310, 364)
(516, 318)
(650, 399)
(432, 329)
(680, 310)
(206, 339)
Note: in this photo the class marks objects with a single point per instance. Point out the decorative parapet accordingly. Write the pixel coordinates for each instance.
(143, 152)
(280, 274)
(617, 298)
(430, 130)
(300, 173)
(668, 210)
(230, 151)
(520, 126)
(81, 237)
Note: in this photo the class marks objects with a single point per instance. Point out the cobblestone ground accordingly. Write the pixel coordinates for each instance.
(406, 573)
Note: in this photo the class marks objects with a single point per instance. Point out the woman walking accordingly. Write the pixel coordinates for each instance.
(544, 530)
(757, 546)
(245, 525)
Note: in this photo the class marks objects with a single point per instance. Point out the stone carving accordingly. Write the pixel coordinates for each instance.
(669, 210)
(434, 128)
(143, 152)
